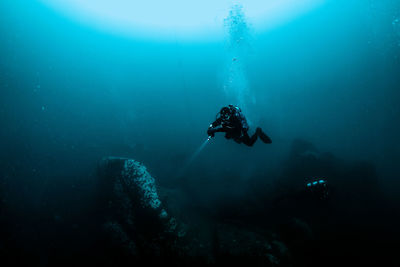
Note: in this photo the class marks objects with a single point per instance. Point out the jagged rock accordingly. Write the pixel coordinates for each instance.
(119, 237)
(135, 217)
(139, 225)
(248, 247)
(352, 185)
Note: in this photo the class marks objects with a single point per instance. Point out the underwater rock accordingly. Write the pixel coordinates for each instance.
(351, 193)
(119, 238)
(241, 246)
(138, 226)
(135, 218)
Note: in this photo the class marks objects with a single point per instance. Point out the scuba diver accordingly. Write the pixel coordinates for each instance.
(232, 122)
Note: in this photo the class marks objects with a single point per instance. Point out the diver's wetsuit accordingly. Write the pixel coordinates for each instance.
(232, 121)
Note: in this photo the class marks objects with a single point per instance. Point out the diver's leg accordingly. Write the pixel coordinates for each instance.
(265, 138)
(247, 140)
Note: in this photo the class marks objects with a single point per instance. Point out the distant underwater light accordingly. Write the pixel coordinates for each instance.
(186, 19)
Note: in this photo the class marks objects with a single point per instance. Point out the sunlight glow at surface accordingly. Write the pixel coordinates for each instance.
(178, 18)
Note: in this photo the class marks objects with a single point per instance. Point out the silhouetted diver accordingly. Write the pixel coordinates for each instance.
(232, 122)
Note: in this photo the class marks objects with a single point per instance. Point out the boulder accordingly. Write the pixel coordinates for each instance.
(134, 216)
(140, 227)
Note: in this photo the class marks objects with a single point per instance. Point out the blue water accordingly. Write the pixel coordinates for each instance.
(71, 94)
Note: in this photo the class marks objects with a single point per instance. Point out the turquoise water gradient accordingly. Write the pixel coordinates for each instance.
(72, 89)
(178, 18)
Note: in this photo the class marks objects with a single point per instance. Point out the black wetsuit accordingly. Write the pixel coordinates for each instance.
(234, 125)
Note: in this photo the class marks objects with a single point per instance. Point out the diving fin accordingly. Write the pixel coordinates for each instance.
(265, 138)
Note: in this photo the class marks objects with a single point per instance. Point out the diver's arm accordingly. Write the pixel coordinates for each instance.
(214, 127)
(216, 123)
(212, 131)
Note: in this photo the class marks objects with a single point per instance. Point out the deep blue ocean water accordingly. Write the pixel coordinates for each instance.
(71, 94)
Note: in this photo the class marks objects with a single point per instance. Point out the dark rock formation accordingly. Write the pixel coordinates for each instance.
(134, 215)
(353, 184)
(140, 228)
(316, 228)
(238, 246)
